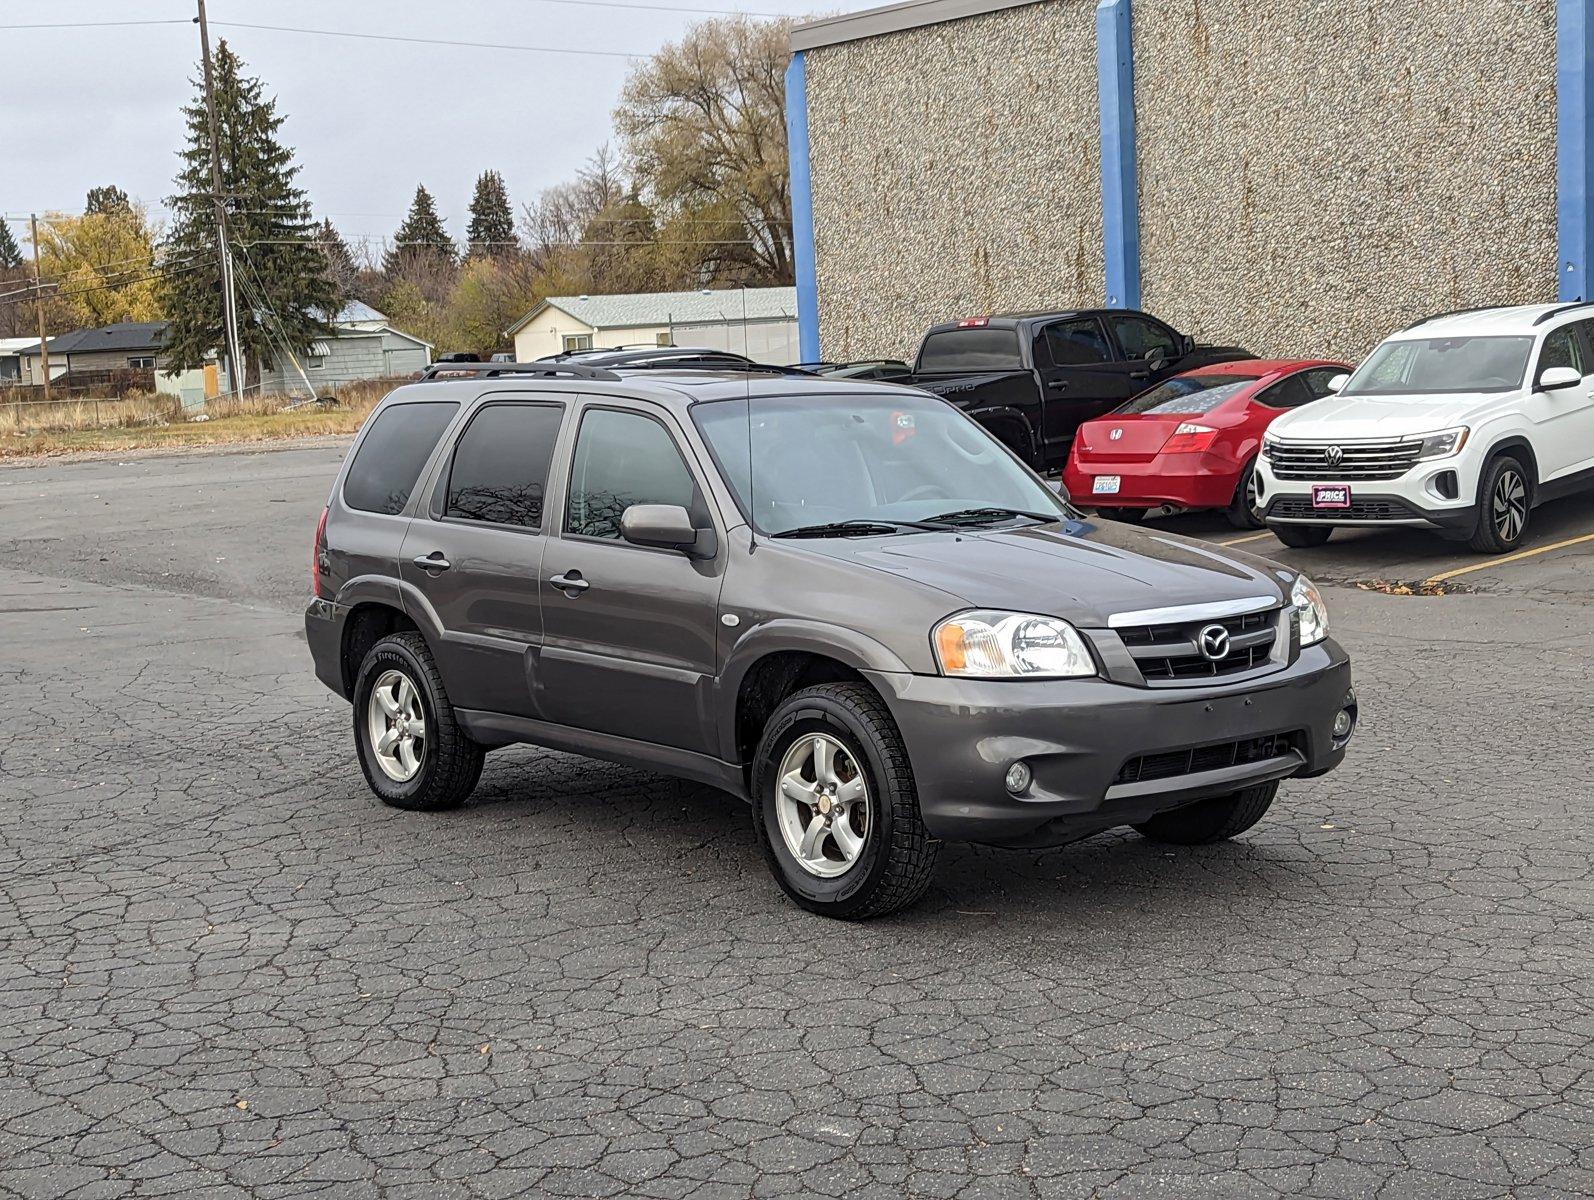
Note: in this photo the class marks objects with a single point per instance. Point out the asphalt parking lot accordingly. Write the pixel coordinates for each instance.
(225, 970)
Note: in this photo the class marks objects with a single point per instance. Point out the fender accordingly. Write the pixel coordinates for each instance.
(394, 593)
(812, 637)
(1005, 412)
(1515, 441)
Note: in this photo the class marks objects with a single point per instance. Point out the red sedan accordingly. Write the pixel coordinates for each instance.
(1192, 440)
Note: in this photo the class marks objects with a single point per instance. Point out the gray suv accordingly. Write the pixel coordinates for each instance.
(843, 602)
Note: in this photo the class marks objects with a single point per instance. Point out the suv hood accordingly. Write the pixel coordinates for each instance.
(1084, 572)
(1353, 417)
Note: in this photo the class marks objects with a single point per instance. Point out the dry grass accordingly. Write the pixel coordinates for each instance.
(159, 421)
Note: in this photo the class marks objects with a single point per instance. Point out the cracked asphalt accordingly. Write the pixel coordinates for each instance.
(226, 970)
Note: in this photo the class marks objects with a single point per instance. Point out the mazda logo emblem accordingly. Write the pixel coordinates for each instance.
(1334, 455)
(1116, 434)
(1213, 642)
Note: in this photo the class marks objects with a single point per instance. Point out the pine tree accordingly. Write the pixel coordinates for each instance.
(279, 272)
(341, 269)
(492, 225)
(109, 198)
(421, 241)
(10, 255)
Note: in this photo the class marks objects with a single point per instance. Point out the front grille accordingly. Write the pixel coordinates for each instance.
(1360, 460)
(1173, 652)
(1300, 508)
(1144, 768)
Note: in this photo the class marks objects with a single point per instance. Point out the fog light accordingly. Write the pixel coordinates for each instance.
(1018, 777)
(1343, 723)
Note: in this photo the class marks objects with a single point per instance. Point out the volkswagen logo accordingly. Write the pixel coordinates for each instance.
(1334, 456)
(1213, 642)
(1116, 434)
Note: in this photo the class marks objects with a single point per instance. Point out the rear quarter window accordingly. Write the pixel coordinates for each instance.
(392, 453)
(971, 350)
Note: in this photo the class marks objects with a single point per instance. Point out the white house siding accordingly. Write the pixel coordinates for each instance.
(350, 359)
(765, 341)
(544, 334)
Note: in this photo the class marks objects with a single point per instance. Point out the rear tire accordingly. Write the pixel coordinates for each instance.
(1303, 536)
(1505, 504)
(1129, 516)
(1213, 820)
(1243, 511)
(446, 760)
(896, 860)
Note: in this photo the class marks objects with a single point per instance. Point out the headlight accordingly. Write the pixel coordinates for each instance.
(1443, 445)
(1269, 445)
(1007, 645)
(1314, 613)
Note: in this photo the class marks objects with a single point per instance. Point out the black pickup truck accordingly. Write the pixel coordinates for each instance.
(1033, 378)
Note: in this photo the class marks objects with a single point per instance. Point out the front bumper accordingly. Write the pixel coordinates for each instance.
(1416, 499)
(1077, 736)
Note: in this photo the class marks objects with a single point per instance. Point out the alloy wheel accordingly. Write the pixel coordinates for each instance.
(396, 724)
(1510, 505)
(822, 805)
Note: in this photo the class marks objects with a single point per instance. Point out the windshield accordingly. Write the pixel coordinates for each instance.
(1414, 366)
(825, 459)
(1187, 394)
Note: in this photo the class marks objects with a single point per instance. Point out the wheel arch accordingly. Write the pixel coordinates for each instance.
(366, 624)
(1518, 445)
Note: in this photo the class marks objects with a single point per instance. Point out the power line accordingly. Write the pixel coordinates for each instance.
(100, 287)
(393, 37)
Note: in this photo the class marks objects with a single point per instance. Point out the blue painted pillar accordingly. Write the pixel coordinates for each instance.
(802, 209)
(1120, 187)
(1574, 167)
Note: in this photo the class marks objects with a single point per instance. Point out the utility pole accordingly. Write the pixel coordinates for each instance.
(229, 304)
(38, 305)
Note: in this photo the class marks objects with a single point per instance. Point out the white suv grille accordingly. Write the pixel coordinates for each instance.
(1342, 460)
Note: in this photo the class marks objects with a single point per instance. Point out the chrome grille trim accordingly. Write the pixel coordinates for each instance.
(1362, 460)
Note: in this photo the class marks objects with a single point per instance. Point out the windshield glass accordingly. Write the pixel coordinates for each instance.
(823, 459)
(1413, 366)
(1187, 394)
(974, 349)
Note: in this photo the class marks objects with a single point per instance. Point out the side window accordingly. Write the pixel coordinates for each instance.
(1139, 336)
(1287, 393)
(1317, 380)
(392, 454)
(1075, 343)
(500, 467)
(621, 459)
(1561, 349)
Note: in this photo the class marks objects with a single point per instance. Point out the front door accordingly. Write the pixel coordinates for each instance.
(475, 551)
(629, 632)
(1565, 418)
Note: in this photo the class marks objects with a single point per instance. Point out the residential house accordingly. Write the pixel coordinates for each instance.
(124, 346)
(11, 358)
(361, 344)
(758, 322)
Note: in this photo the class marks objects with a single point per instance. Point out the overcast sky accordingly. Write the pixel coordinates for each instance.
(85, 106)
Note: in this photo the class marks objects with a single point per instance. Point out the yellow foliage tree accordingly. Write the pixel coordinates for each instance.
(103, 264)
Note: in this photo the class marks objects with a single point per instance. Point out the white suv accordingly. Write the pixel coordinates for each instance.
(1462, 423)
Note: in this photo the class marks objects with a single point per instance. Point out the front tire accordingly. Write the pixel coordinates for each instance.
(1302, 537)
(835, 808)
(1213, 820)
(1505, 501)
(413, 751)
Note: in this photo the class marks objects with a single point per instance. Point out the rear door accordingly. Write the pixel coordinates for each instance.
(630, 633)
(475, 550)
(1080, 378)
(1563, 420)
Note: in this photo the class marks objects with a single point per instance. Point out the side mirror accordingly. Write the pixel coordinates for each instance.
(666, 527)
(1188, 344)
(1555, 379)
(1156, 358)
(1337, 384)
(1057, 486)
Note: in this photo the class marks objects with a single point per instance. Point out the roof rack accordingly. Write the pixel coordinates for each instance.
(1559, 309)
(542, 370)
(684, 363)
(1455, 312)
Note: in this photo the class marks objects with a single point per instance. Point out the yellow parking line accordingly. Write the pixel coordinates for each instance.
(1501, 561)
(1250, 537)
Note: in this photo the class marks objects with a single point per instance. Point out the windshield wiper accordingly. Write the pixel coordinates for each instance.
(985, 516)
(855, 528)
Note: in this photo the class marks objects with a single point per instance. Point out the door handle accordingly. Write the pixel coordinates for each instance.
(432, 562)
(1058, 385)
(1140, 374)
(570, 583)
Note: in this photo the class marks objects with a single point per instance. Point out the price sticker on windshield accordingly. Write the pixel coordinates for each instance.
(1106, 485)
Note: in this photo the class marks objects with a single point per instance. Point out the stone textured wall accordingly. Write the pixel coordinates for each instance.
(955, 171)
(1314, 174)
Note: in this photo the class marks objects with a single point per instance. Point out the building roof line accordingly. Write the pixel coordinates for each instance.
(892, 18)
